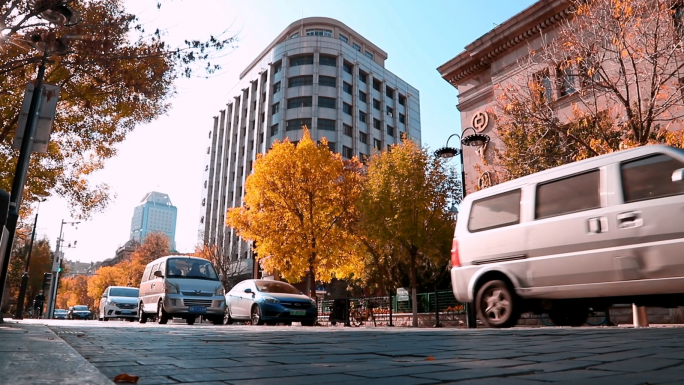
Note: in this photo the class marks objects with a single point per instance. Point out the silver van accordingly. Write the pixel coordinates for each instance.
(593, 233)
(182, 287)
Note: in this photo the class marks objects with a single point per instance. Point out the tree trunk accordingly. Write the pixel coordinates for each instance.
(414, 295)
(312, 280)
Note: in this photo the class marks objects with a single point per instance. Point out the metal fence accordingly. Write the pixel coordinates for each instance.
(377, 310)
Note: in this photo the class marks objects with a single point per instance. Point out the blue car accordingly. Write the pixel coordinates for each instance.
(260, 301)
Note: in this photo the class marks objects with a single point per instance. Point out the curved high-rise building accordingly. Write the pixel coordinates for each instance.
(320, 73)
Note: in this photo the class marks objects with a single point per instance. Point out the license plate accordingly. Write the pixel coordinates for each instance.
(297, 312)
(126, 312)
(197, 309)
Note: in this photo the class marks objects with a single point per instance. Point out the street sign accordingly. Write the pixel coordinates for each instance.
(402, 294)
(46, 117)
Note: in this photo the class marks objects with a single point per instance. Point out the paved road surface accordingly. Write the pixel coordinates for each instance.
(205, 354)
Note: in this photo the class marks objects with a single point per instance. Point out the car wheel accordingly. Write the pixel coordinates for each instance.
(190, 320)
(131, 319)
(227, 319)
(142, 317)
(162, 315)
(256, 316)
(105, 319)
(496, 305)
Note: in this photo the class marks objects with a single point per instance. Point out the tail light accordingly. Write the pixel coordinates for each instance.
(455, 258)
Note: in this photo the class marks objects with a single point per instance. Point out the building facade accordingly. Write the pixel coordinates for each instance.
(320, 73)
(156, 213)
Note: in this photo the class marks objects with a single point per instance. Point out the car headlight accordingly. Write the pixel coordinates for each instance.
(270, 300)
(219, 291)
(170, 288)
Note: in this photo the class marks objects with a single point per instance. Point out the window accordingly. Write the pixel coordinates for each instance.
(275, 108)
(327, 81)
(346, 87)
(347, 152)
(568, 195)
(332, 146)
(376, 84)
(344, 38)
(362, 96)
(326, 124)
(319, 32)
(330, 61)
(363, 157)
(390, 130)
(495, 211)
(362, 116)
(302, 101)
(363, 77)
(278, 67)
(377, 144)
(356, 47)
(301, 60)
(389, 92)
(390, 111)
(297, 124)
(276, 88)
(299, 81)
(566, 81)
(348, 130)
(347, 108)
(377, 124)
(543, 82)
(368, 55)
(363, 137)
(326, 102)
(402, 118)
(294, 35)
(650, 178)
(402, 99)
(346, 67)
(376, 104)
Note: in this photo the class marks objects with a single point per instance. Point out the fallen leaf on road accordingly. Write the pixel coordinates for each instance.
(79, 335)
(126, 378)
(50, 338)
(431, 358)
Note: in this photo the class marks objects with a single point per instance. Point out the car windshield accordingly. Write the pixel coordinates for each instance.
(276, 287)
(190, 268)
(80, 308)
(123, 292)
(60, 311)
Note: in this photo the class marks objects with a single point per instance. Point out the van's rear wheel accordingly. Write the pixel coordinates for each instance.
(497, 305)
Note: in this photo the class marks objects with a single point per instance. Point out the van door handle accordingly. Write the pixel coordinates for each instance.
(597, 225)
(630, 220)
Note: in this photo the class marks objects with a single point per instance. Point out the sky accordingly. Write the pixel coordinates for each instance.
(167, 155)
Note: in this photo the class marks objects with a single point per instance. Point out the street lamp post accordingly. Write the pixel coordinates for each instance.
(52, 298)
(57, 13)
(475, 140)
(19, 314)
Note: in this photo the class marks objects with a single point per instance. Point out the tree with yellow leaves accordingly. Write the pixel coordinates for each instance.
(298, 207)
(608, 79)
(406, 222)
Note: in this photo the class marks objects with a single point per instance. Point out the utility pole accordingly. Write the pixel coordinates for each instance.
(56, 263)
(19, 314)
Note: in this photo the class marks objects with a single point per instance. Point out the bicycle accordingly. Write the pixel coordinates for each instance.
(360, 314)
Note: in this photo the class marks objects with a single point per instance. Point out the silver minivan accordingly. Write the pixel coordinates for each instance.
(589, 234)
(182, 287)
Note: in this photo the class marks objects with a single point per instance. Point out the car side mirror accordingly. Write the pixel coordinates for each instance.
(678, 175)
(248, 290)
(104, 295)
(158, 274)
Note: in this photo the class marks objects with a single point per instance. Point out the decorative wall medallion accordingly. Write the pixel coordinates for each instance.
(480, 121)
(484, 181)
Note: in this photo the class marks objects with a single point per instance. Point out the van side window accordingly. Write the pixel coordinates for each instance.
(568, 195)
(650, 178)
(154, 268)
(146, 274)
(496, 211)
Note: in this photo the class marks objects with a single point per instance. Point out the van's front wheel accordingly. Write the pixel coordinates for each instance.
(162, 315)
(497, 305)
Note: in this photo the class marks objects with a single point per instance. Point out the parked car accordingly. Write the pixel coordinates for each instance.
(181, 287)
(60, 314)
(79, 312)
(265, 301)
(119, 302)
(593, 233)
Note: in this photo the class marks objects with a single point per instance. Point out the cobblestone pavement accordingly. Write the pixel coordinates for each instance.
(203, 354)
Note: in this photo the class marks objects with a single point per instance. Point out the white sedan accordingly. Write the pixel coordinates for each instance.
(119, 302)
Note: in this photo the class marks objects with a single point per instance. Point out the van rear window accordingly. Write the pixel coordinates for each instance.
(496, 211)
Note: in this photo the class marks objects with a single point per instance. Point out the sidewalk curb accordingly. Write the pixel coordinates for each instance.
(32, 354)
